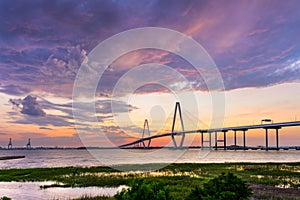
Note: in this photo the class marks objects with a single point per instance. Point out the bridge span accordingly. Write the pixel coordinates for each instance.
(210, 132)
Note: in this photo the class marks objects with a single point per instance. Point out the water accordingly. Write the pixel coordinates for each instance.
(100, 157)
(31, 190)
(63, 158)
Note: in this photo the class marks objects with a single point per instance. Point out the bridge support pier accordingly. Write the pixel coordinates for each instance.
(276, 137)
(267, 142)
(234, 139)
(277, 142)
(203, 141)
(244, 139)
(224, 134)
(210, 140)
(216, 140)
(224, 140)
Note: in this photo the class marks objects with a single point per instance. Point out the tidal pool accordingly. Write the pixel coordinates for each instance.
(32, 190)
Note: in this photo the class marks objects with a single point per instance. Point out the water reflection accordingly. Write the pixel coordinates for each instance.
(63, 158)
(31, 190)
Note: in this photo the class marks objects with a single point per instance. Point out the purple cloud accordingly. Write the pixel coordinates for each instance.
(29, 106)
(42, 45)
(14, 90)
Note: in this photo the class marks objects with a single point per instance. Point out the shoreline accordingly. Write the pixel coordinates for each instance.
(229, 148)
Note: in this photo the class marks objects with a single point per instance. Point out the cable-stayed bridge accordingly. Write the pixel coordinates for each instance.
(210, 133)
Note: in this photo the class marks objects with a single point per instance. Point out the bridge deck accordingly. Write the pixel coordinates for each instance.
(235, 128)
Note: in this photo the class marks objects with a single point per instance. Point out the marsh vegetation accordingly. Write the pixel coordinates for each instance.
(282, 179)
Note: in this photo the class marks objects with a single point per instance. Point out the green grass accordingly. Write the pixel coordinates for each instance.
(95, 198)
(179, 177)
(270, 173)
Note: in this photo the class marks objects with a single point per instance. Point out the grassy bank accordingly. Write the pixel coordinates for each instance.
(179, 177)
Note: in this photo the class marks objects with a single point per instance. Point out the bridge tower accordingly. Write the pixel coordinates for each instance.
(177, 106)
(9, 146)
(146, 130)
(28, 145)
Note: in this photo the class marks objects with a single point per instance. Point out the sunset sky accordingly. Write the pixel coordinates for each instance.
(254, 44)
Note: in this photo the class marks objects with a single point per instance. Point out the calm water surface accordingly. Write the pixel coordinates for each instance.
(62, 158)
(31, 191)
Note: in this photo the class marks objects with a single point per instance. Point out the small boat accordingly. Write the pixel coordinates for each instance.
(10, 157)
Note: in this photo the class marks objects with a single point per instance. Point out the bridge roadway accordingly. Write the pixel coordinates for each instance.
(275, 126)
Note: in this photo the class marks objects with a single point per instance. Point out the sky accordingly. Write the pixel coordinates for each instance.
(254, 44)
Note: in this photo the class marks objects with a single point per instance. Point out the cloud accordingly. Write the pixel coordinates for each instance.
(101, 137)
(45, 128)
(32, 107)
(291, 67)
(44, 53)
(60, 141)
(48, 120)
(29, 106)
(44, 42)
(14, 90)
(104, 106)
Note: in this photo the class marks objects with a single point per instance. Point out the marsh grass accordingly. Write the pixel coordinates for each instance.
(264, 173)
(180, 178)
(86, 197)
